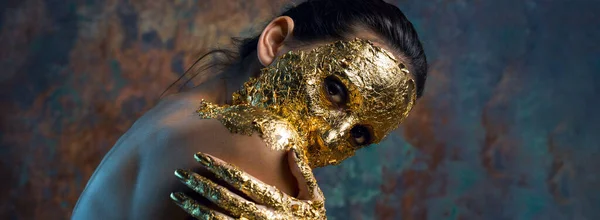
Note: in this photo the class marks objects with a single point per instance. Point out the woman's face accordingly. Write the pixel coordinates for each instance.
(339, 97)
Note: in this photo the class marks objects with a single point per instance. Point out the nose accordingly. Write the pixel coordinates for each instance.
(338, 130)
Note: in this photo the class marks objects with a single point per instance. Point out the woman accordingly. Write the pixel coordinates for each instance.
(132, 180)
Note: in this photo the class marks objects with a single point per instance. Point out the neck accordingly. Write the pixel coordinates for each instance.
(234, 76)
(237, 75)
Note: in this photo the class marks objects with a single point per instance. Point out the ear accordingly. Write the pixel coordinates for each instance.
(272, 39)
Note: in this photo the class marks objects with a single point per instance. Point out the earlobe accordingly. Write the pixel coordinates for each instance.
(272, 39)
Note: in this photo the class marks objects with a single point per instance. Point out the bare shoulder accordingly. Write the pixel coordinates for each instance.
(136, 177)
(174, 148)
(112, 191)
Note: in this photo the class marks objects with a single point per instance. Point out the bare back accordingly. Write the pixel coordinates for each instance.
(135, 178)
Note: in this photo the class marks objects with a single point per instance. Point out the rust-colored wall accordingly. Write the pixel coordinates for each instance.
(507, 128)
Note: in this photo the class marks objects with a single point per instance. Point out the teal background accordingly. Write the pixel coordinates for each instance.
(508, 127)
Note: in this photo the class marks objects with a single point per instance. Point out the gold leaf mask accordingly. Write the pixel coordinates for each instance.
(336, 98)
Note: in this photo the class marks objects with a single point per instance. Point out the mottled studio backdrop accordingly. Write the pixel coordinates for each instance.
(508, 127)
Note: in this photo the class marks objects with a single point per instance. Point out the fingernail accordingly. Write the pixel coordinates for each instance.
(203, 159)
(177, 197)
(182, 174)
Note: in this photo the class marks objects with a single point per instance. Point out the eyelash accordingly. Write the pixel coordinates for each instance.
(364, 131)
(333, 84)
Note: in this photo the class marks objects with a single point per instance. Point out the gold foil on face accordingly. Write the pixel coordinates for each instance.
(290, 96)
(277, 132)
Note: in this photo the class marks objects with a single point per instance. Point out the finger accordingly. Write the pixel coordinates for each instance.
(247, 184)
(303, 188)
(217, 194)
(195, 209)
(308, 187)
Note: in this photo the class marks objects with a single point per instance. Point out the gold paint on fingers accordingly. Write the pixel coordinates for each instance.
(195, 209)
(217, 194)
(252, 187)
(267, 195)
(307, 174)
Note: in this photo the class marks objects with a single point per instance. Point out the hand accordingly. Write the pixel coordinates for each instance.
(272, 203)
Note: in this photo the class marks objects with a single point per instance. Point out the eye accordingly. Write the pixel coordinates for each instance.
(360, 135)
(336, 91)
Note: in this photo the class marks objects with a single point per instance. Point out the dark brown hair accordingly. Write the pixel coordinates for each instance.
(318, 20)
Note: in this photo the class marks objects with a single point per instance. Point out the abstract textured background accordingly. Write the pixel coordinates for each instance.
(509, 127)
